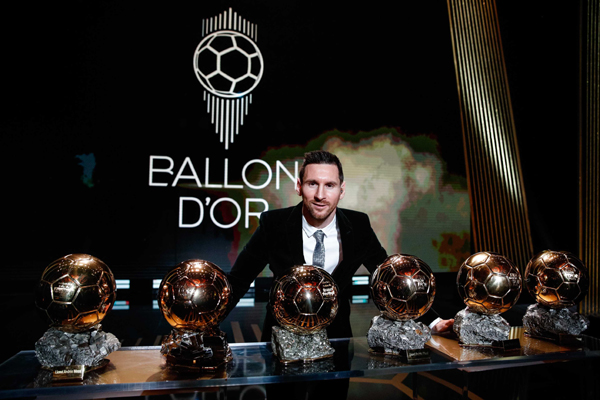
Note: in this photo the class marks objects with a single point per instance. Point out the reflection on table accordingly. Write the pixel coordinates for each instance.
(142, 370)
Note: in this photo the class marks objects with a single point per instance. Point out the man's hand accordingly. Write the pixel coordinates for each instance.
(443, 326)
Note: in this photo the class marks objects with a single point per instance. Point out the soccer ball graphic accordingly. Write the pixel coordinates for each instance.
(489, 283)
(76, 292)
(193, 295)
(403, 287)
(228, 64)
(556, 279)
(304, 300)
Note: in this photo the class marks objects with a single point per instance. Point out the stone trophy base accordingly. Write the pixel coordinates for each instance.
(70, 355)
(191, 351)
(291, 347)
(404, 339)
(562, 325)
(483, 331)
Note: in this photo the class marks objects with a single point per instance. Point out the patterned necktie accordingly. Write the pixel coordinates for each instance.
(319, 254)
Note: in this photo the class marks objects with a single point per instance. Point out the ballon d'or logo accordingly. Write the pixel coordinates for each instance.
(229, 65)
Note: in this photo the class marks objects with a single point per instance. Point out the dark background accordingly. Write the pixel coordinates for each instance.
(115, 79)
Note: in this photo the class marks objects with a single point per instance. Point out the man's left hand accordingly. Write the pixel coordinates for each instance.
(443, 326)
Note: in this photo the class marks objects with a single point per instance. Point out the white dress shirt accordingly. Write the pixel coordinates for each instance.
(332, 241)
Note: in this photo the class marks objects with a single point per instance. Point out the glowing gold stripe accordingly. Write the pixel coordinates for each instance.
(589, 210)
(498, 207)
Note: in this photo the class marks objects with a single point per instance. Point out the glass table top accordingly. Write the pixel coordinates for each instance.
(142, 370)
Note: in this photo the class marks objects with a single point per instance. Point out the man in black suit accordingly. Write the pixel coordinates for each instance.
(286, 237)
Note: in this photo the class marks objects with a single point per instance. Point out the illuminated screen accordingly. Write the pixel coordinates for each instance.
(415, 206)
(146, 147)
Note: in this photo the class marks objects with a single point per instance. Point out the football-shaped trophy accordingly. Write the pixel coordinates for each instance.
(403, 289)
(193, 297)
(489, 284)
(558, 281)
(304, 302)
(74, 295)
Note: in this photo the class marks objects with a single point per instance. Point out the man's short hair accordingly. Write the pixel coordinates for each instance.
(321, 157)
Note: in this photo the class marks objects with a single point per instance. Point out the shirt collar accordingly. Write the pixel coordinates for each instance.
(329, 230)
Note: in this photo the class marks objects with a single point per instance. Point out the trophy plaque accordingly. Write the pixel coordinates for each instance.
(403, 289)
(489, 284)
(304, 302)
(74, 295)
(558, 281)
(193, 297)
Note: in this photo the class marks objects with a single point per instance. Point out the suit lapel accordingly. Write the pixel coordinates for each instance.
(294, 235)
(347, 238)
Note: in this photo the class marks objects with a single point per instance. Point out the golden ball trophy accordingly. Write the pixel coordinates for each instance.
(74, 295)
(558, 281)
(489, 284)
(403, 289)
(193, 297)
(304, 302)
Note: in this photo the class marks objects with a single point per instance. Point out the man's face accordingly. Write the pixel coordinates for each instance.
(321, 191)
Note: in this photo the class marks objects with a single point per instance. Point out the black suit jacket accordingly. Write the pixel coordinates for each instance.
(277, 242)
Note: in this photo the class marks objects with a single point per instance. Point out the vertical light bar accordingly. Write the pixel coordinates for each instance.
(498, 207)
(589, 151)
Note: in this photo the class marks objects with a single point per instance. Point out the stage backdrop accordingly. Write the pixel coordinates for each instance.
(150, 134)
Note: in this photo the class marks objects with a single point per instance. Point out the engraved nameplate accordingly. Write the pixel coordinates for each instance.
(68, 373)
(416, 355)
